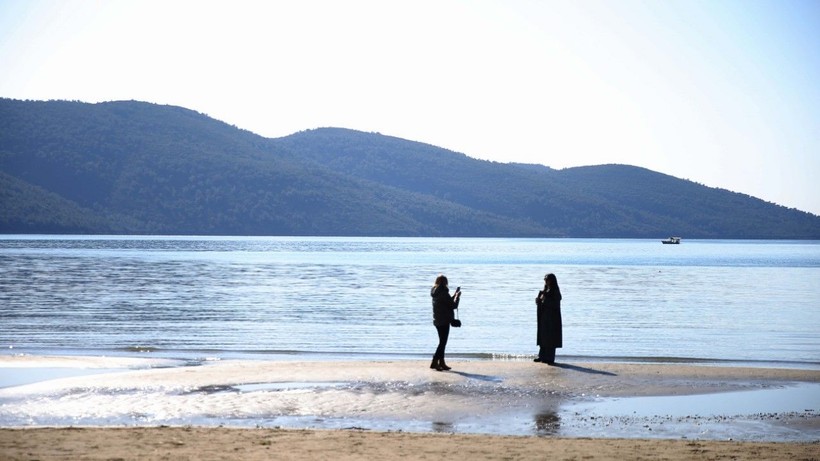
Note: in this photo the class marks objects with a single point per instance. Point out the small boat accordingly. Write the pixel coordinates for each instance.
(672, 240)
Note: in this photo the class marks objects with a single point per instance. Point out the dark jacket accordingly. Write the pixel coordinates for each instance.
(549, 318)
(443, 305)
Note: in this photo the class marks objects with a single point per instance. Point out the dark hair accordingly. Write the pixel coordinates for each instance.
(441, 280)
(551, 280)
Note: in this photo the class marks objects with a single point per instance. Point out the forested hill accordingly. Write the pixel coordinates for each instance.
(139, 168)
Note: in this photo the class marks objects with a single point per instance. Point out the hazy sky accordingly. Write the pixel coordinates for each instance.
(725, 93)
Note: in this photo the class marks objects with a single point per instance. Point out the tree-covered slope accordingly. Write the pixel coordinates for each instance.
(174, 171)
(595, 201)
(690, 208)
(133, 167)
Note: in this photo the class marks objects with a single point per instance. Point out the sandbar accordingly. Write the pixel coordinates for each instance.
(380, 409)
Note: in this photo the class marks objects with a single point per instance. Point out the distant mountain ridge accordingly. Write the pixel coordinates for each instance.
(131, 167)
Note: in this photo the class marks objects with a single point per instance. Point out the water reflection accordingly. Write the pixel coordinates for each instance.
(547, 423)
(441, 426)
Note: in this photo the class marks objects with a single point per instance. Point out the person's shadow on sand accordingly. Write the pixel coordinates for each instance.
(593, 371)
(566, 366)
(489, 379)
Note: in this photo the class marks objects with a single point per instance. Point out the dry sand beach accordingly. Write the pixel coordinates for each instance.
(197, 443)
(389, 409)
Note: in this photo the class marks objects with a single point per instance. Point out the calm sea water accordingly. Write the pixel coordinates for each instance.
(233, 296)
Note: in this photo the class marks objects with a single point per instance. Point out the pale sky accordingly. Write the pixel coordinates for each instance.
(725, 93)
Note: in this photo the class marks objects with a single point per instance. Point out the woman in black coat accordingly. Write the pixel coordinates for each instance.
(549, 320)
(443, 307)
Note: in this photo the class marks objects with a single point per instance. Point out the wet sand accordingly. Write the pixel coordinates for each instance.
(572, 379)
(387, 409)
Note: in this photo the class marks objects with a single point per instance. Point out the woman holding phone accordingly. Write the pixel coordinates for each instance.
(443, 307)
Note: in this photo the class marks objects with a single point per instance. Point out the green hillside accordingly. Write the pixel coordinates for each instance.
(133, 167)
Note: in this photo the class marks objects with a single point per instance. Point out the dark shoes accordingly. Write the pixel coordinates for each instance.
(439, 365)
(537, 359)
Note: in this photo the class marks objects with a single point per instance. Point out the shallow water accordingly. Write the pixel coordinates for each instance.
(18, 377)
(759, 414)
(199, 297)
(794, 398)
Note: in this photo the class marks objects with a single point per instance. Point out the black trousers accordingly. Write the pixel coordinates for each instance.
(546, 354)
(443, 334)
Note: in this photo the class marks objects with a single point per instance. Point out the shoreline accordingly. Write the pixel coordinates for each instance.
(493, 398)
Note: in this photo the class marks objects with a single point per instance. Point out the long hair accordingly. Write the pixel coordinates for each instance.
(441, 280)
(551, 281)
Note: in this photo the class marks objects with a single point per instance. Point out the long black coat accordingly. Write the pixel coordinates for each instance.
(550, 332)
(443, 305)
